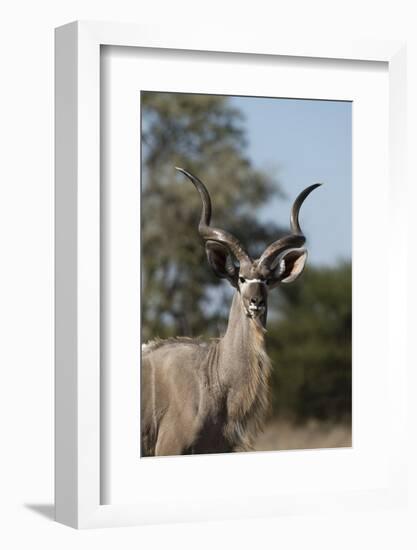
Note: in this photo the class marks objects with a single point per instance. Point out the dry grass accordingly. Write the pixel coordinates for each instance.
(284, 435)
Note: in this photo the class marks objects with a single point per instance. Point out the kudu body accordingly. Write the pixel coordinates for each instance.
(212, 396)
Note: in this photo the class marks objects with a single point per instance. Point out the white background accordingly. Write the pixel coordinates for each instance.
(26, 301)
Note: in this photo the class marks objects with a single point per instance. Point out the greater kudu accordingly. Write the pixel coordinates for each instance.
(212, 397)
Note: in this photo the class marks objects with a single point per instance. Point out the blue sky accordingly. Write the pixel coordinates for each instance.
(301, 142)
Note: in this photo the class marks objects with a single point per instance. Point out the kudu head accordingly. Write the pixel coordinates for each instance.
(282, 261)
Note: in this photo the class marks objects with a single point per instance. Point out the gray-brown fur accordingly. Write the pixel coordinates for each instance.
(202, 397)
(213, 396)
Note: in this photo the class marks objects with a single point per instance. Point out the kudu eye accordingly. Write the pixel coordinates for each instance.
(242, 279)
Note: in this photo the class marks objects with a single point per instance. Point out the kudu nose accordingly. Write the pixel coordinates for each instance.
(256, 301)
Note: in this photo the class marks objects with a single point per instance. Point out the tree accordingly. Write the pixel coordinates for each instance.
(310, 346)
(205, 135)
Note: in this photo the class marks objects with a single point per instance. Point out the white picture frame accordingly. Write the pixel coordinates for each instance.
(78, 410)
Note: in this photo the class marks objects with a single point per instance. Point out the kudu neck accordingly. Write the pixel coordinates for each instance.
(243, 369)
(242, 334)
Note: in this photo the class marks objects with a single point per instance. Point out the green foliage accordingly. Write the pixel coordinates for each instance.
(310, 346)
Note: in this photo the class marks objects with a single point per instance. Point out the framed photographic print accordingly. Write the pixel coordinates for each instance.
(224, 347)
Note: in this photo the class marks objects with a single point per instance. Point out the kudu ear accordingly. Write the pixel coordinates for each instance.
(221, 261)
(290, 266)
